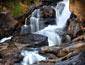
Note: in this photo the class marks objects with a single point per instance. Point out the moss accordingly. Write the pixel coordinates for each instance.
(16, 10)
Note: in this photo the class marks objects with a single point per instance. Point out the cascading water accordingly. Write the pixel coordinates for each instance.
(34, 21)
(25, 28)
(31, 56)
(62, 19)
(53, 31)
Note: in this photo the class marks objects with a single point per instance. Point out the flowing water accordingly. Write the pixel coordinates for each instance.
(31, 56)
(51, 31)
(25, 28)
(62, 14)
(34, 21)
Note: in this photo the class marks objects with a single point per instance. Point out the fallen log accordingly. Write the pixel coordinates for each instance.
(79, 47)
(82, 37)
(61, 52)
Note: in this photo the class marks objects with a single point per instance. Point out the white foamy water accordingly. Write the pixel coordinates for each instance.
(54, 38)
(62, 15)
(31, 57)
(34, 20)
(62, 19)
(25, 28)
(5, 39)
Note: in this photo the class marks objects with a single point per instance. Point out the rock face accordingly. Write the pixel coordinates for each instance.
(33, 40)
(77, 7)
(7, 24)
(48, 15)
(42, 17)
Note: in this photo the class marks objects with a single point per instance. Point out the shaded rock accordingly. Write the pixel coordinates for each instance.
(47, 12)
(74, 26)
(14, 58)
(50, 2)
(34, 40)
(42, 17)
(7, 24)
(75, 60)
(10, 54)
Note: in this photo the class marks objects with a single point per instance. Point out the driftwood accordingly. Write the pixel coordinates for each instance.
(60, 59)
(76, 47)
(82, 37)
(61, 52)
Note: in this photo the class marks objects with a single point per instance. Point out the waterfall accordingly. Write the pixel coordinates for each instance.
(5, 39)
(34, 21)
(25, 28)
(62, 16)
(31, 56)
(37, 24)
(53, 32)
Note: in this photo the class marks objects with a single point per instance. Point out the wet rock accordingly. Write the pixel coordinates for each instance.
(33, 40)
(75, 60)
(42, 17)
(48, 13)
(45, 63)
(14, 58)
(10, 54)
(50, 56)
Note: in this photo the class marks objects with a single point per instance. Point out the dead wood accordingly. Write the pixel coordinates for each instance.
(82, 37)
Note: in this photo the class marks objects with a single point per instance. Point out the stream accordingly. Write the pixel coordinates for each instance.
(51, 31)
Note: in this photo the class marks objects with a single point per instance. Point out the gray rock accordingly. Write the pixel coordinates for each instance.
(34, 40)
(75, 60)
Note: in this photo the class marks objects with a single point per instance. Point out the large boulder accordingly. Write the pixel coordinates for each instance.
(48, 15)
(42, 17)
(31, 40)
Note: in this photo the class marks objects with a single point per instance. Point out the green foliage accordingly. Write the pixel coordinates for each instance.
(16, 10)
(72, 1)
(14, 5)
